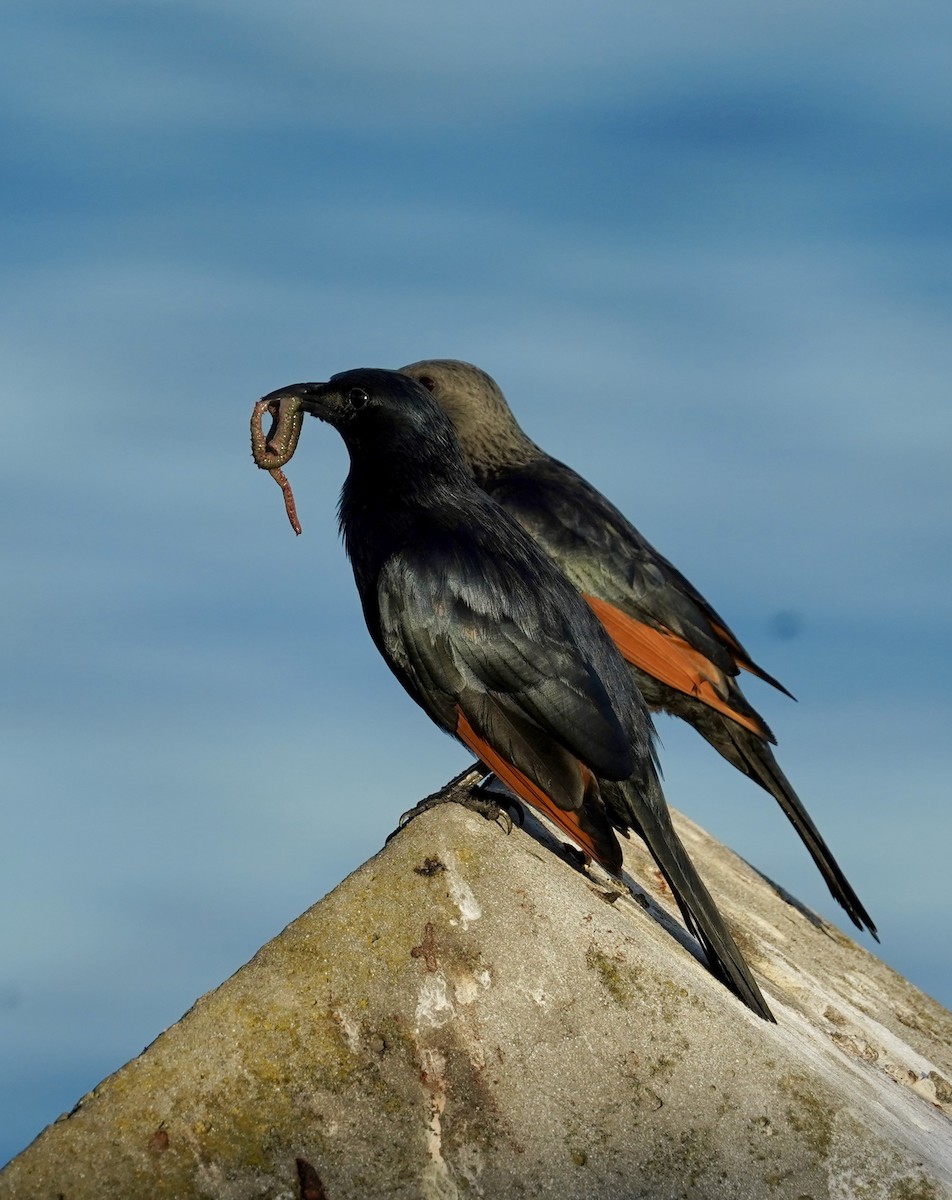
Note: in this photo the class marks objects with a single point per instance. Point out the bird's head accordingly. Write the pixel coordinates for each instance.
(488, 432)
(377, 411)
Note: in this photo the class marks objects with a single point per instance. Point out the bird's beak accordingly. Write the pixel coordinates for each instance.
(318, 399)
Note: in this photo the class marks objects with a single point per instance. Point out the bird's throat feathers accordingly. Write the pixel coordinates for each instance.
(389, 494)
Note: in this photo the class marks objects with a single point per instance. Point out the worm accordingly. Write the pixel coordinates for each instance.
(272, 452)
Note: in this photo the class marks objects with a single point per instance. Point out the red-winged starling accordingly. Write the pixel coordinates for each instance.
(682, 653)
(493, 642)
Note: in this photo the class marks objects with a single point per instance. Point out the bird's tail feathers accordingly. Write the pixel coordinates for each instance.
(652, 821)
(757, 760)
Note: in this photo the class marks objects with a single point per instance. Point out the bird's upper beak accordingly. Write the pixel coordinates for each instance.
(318, 399)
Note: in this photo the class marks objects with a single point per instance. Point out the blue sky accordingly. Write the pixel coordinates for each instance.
(707, 252)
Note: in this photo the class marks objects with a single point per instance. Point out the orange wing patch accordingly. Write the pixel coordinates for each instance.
(670, 659)
(526, 790)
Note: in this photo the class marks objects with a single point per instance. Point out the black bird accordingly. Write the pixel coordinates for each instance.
(491, 640)
(682, 653)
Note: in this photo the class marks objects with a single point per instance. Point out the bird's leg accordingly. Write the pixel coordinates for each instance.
(475, 771)
(503, 799)
(272, 452)
(468, 790)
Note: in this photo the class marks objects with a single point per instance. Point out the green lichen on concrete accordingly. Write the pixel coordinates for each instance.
(671, 1049)
(626, 984)
(943, 1089)
(693, 1157)
(669, 997)
(643, 1100)
(810, 1115)
(764, 1147)
(887, 1169)
(914, 1189)
(663, 1065)
(617, 978)
(699, 1155)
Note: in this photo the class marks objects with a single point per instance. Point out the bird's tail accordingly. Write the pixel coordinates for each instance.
(650, 818)
(754, 757)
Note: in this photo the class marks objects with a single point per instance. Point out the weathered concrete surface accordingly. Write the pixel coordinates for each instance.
(467, 1015)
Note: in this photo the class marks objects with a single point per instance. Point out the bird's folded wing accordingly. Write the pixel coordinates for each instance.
(606, 557)
(508, 665)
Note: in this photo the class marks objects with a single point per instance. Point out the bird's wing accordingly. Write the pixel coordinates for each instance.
(499, 667)
(470, 631)
(659, 621)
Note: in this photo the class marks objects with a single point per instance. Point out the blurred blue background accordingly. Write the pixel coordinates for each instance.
(707, 252)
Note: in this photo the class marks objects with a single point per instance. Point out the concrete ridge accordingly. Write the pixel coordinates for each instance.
(468, 1015)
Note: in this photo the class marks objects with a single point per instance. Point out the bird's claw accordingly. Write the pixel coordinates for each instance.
(467, 790)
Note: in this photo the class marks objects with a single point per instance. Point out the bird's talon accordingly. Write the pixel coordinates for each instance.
(467, 791)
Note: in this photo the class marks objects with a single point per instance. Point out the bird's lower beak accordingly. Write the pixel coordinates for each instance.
(314, 398)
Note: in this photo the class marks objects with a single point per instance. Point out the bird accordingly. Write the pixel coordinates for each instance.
(495, 644)
(682, 653)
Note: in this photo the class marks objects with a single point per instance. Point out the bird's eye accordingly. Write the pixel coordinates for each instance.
(428, 382)
(357, 397)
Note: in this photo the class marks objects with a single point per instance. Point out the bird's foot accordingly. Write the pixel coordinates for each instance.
(468, 790)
